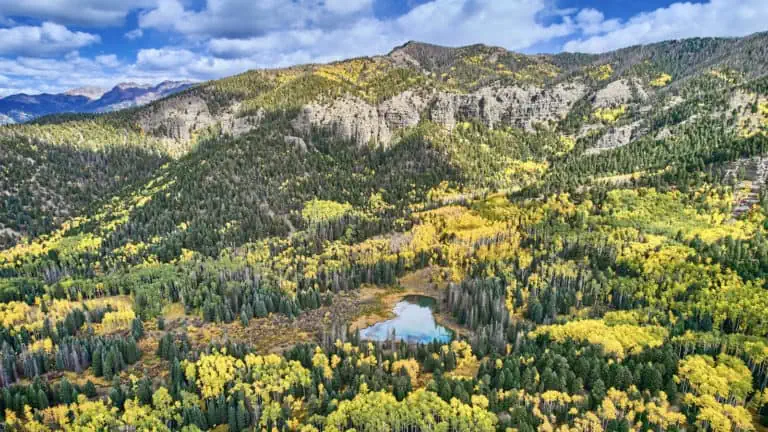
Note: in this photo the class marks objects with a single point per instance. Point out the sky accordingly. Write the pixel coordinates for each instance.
(49, 46)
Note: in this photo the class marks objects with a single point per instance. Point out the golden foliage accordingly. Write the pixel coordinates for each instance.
(662, 80)
(619, 340)
(317, 211)
(600, 73)
(724, 378)
(610, 115)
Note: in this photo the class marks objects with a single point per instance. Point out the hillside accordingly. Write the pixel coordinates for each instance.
(592, 228)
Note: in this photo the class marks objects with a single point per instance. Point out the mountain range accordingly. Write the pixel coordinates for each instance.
(592, 229)
(542, 109)
(19, 108)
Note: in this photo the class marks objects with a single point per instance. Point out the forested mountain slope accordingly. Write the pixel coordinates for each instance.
(592, 226)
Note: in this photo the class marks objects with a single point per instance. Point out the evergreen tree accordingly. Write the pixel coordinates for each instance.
(137, 329)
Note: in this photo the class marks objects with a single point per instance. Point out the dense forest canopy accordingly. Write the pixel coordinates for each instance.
(593, 228)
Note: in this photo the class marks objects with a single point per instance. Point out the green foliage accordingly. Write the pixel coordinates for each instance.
(590, 291)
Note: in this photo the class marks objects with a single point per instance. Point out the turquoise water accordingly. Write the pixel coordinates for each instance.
(414, 323)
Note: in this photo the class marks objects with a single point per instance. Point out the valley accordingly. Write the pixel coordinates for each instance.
(586, 234)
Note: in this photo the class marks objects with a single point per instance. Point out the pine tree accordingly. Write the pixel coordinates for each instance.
(260, 309)
(65, 392)
(598, 392)
(117, 396)
(42, 399)
(242, 416)
(137, 329)
(108, 367)
(89, 389)
(232, 419)
(96, 363)
(144, 392)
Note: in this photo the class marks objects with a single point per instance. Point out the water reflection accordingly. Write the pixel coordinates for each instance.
(414, 322)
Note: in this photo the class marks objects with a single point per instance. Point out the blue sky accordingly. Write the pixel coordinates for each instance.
(54, 45)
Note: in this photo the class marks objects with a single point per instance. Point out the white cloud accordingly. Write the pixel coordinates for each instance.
(37, 75)
(248, 18)
(592, 22)
(186, 64)
(81, 12)
(230, 18)
(344, 7)
(46, 39)
(513, 24)
(108, 60)
(225, 37)
(679, 20)
(134, 34)
(164, 58)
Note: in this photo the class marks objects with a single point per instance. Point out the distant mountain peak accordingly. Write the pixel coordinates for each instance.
(132, 85)
(21, 108)
(91, 92)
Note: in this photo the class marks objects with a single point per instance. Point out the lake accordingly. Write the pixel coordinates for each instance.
(414, 322)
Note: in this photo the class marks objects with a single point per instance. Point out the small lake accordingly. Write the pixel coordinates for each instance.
(414, 323)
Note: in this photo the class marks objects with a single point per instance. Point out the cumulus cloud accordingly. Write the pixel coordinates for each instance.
(108, 60)
(248, 18)
(233, 18)
(53, 75)
(207, 39)
(677, 21)
(43, 40)
(592, 21)
(134, 34)
(80, 12)
(514, 24)
(344, 7)
(164, 58)
(183, 63)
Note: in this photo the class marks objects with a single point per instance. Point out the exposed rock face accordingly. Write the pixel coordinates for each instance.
(614, 138)
(664, 134)
(235, 125)
(179, 118)
(356, 120)
(620, 92)
(749, 122)
(403, 59)
(296, 142)
(350, 118)
(403, 110)
(517, 106)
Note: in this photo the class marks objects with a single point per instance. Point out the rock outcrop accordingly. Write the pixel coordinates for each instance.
(403, 110)
(620, 92)
(298, 143)
(615, 138)
(178, 119)
(349, 118)
(517, 106)
(520, 106)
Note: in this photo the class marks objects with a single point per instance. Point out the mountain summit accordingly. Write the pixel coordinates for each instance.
(91, 93)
